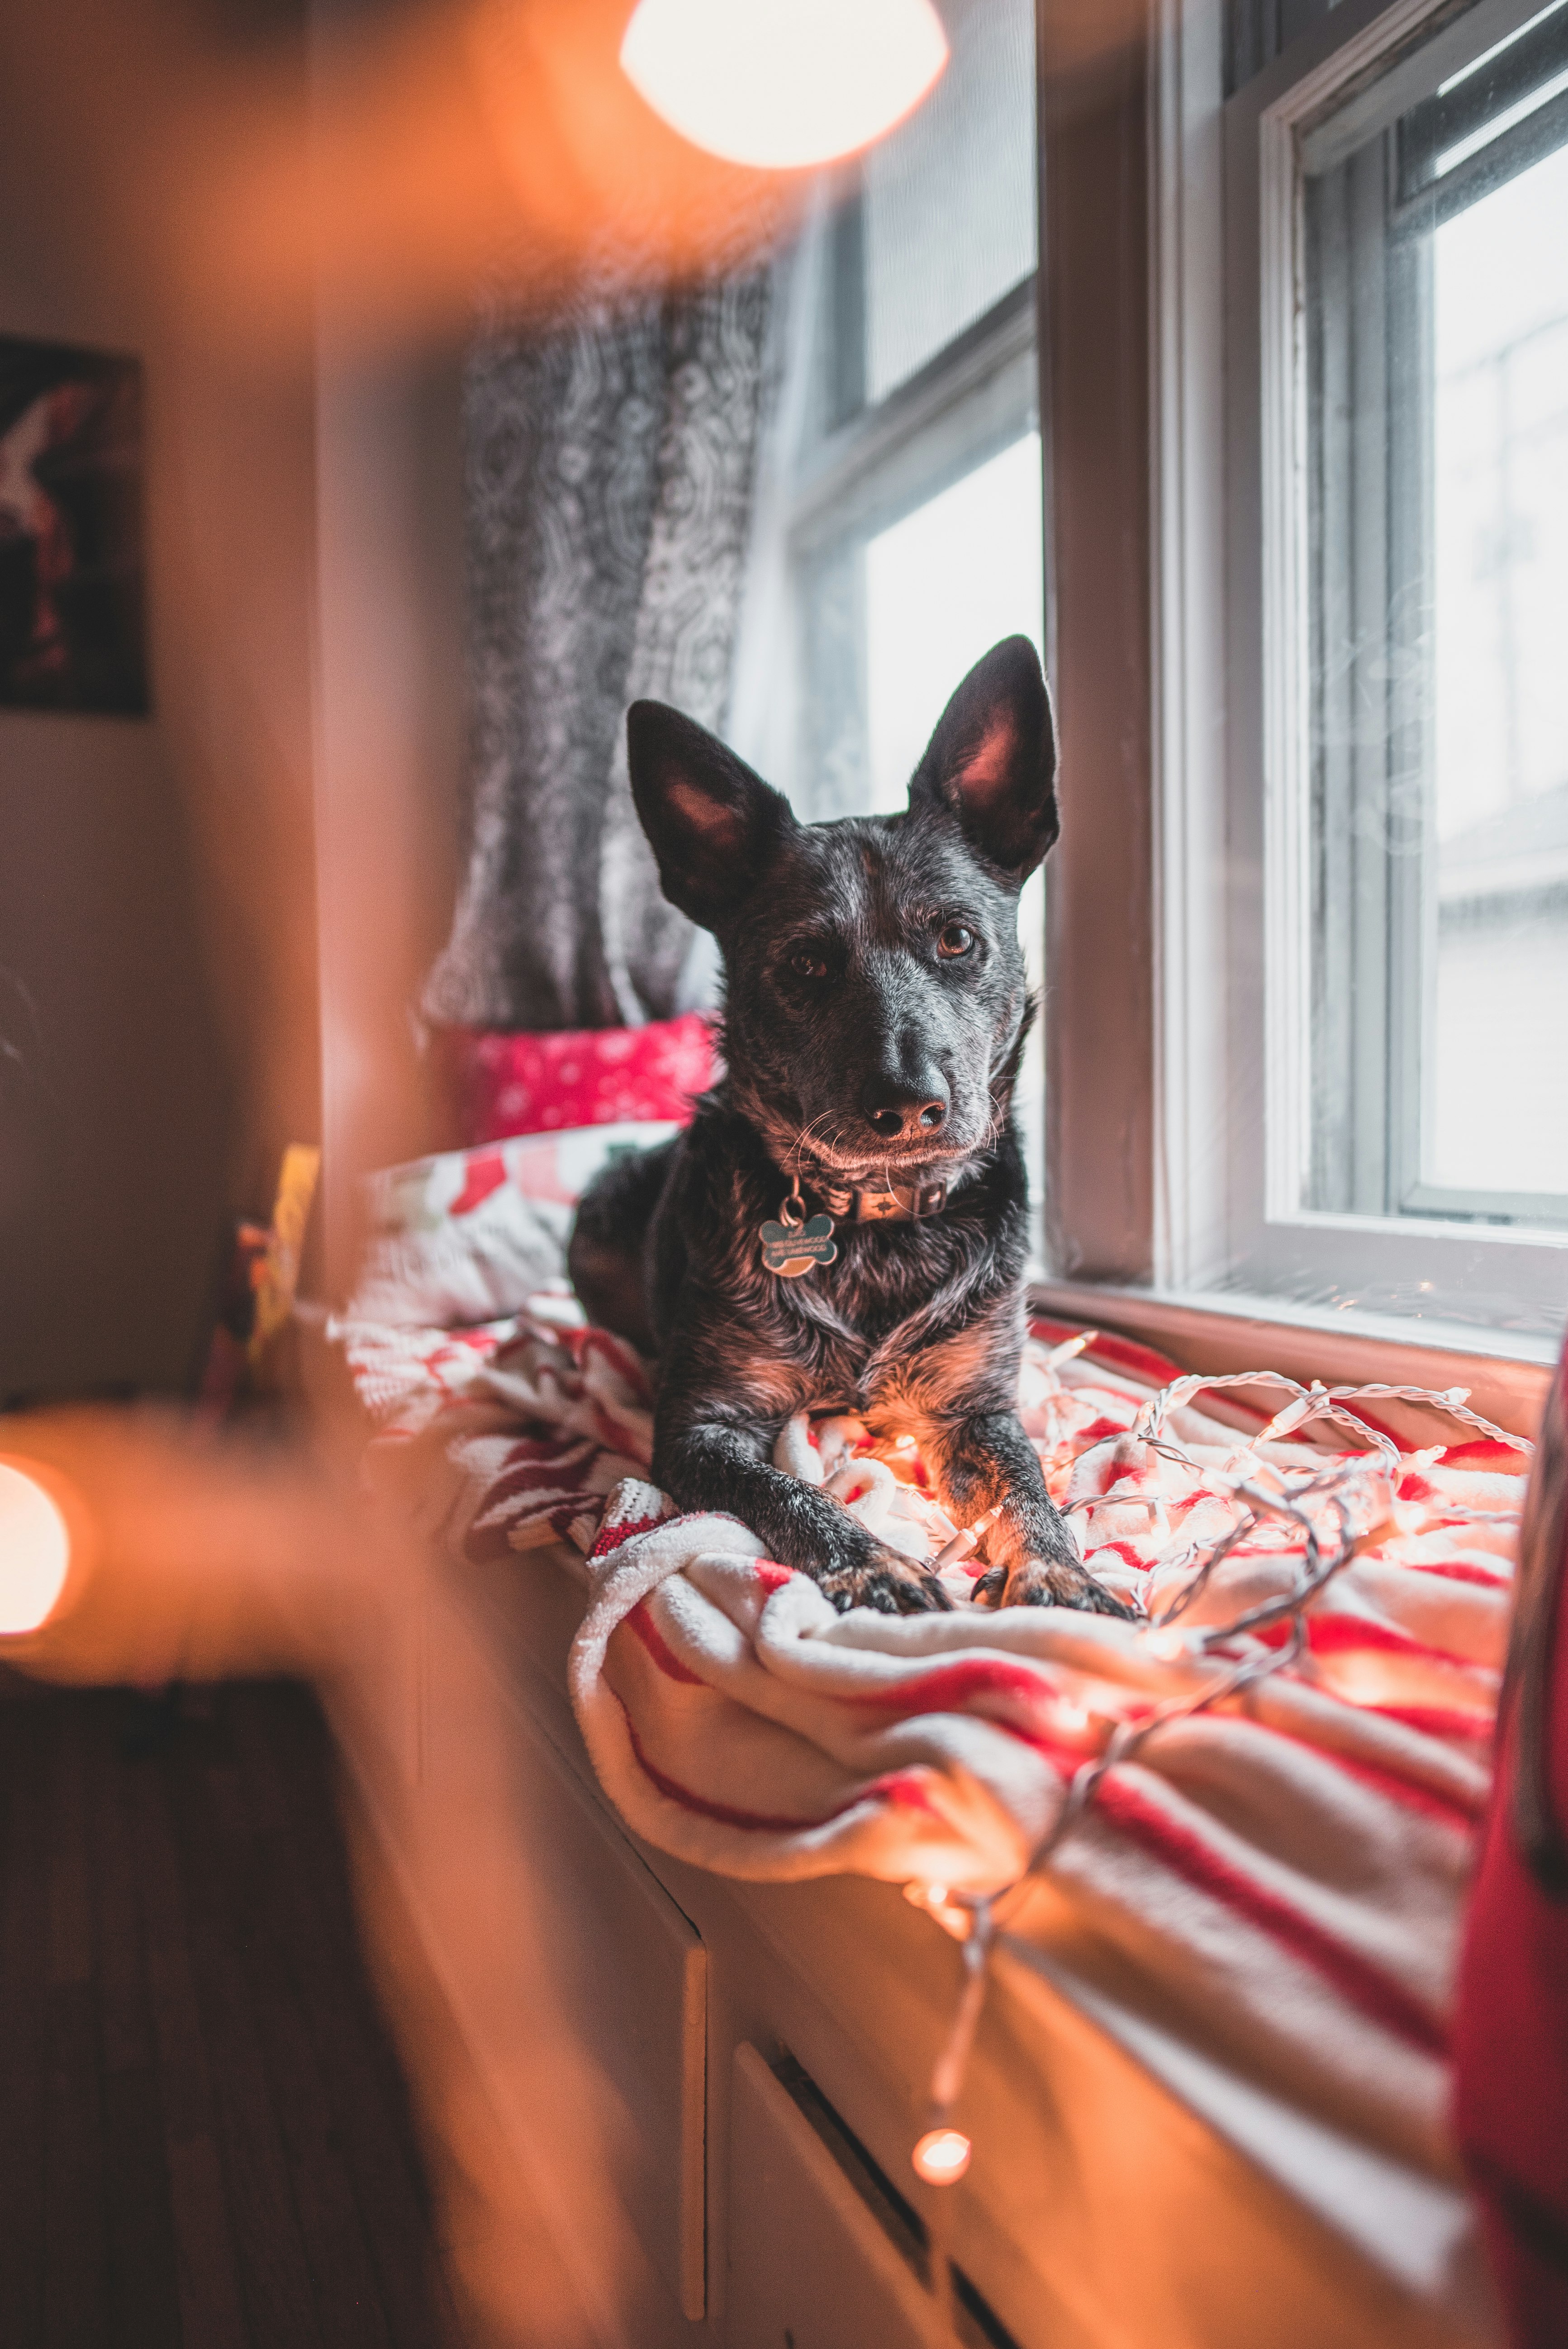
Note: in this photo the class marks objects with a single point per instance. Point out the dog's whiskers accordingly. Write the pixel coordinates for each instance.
(797, 1149)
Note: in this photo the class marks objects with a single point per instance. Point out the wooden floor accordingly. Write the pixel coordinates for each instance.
(204, 2138)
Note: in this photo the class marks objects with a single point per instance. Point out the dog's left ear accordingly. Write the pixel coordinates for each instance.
(991, 762)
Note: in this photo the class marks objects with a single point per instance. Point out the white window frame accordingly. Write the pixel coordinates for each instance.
(1228, 546)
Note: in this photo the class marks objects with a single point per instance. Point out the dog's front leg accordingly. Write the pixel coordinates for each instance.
(984, 1457)
(716, 1464)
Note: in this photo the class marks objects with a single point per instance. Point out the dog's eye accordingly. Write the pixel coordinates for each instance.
(809, 962)
(956, 940)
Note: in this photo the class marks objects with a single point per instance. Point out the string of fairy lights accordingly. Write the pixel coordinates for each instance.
(1338, 1509)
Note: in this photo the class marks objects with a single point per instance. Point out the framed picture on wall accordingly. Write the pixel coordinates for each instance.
(72, 619)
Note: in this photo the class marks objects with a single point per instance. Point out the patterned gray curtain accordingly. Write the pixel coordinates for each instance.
(610, 468)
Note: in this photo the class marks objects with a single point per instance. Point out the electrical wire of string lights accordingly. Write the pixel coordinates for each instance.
(1338, 1510)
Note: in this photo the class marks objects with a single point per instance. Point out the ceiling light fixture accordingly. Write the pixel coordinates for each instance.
(34, 1551)
(781, 84)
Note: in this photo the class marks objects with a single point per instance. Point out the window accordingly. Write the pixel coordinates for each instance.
(909, 511)
(1396, 483)
(1310, 928)
(916, 522)
(1435, 268)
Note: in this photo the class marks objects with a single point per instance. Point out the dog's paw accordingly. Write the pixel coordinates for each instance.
(1059, 1582)
(889, 1582)
(987, 1588)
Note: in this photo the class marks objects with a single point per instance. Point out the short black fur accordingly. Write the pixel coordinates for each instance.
(876, 1008)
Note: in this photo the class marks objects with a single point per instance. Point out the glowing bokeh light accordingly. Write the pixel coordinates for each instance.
(941, 2156)
(781, 84)
(34, 1552)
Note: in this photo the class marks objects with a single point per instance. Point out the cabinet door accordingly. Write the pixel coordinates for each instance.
(631, 1982)
(809, 2267)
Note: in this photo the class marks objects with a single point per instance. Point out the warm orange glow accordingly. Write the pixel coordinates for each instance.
(783, 83)
(1167, 1645)
(941, 2156)
(34, 1551)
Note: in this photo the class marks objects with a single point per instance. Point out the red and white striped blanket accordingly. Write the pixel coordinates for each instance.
(1285, 1868)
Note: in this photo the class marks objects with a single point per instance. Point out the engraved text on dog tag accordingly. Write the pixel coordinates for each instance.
(795, 1244)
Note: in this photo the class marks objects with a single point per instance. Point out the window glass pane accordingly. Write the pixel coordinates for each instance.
(892, 619)
(949, 203)
(1437, 261)
(1498, 1028)
(940, 588)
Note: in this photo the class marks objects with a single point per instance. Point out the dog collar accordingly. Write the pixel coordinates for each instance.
(796, 1243)
(885, 1203)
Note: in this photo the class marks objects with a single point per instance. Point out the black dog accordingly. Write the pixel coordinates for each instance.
(875, 1017)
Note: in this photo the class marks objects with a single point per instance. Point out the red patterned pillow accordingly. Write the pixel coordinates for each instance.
(508, 1083)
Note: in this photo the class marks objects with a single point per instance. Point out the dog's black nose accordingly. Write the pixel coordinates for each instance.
(904, 1111)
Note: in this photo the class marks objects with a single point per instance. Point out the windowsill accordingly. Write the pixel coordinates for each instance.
(1508, 1375)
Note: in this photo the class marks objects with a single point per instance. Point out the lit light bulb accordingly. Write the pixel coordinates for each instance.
(1167, 1644)
(1070, 1348)
(780, 84)
(34, 1551)
(941, 2156)
(1284, 1421)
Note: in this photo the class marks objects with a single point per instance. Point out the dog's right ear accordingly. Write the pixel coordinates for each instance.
(711, 823)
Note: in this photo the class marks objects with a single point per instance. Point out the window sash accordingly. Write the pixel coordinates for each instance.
(1273, 1244)
(970, 401)
(1159, 977)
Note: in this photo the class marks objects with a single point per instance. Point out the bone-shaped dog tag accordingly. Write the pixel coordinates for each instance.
(790, 1249)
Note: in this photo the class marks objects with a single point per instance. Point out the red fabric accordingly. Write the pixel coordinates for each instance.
(1511, 2040)
(507, 1083)
(1358, 1982)
(659, 1647)
(893, 1786)
(484, 1173)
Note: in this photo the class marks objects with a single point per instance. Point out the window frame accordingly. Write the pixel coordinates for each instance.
(1399, 51)
(1219, 271)
(1102, 947)
(1410, 913)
